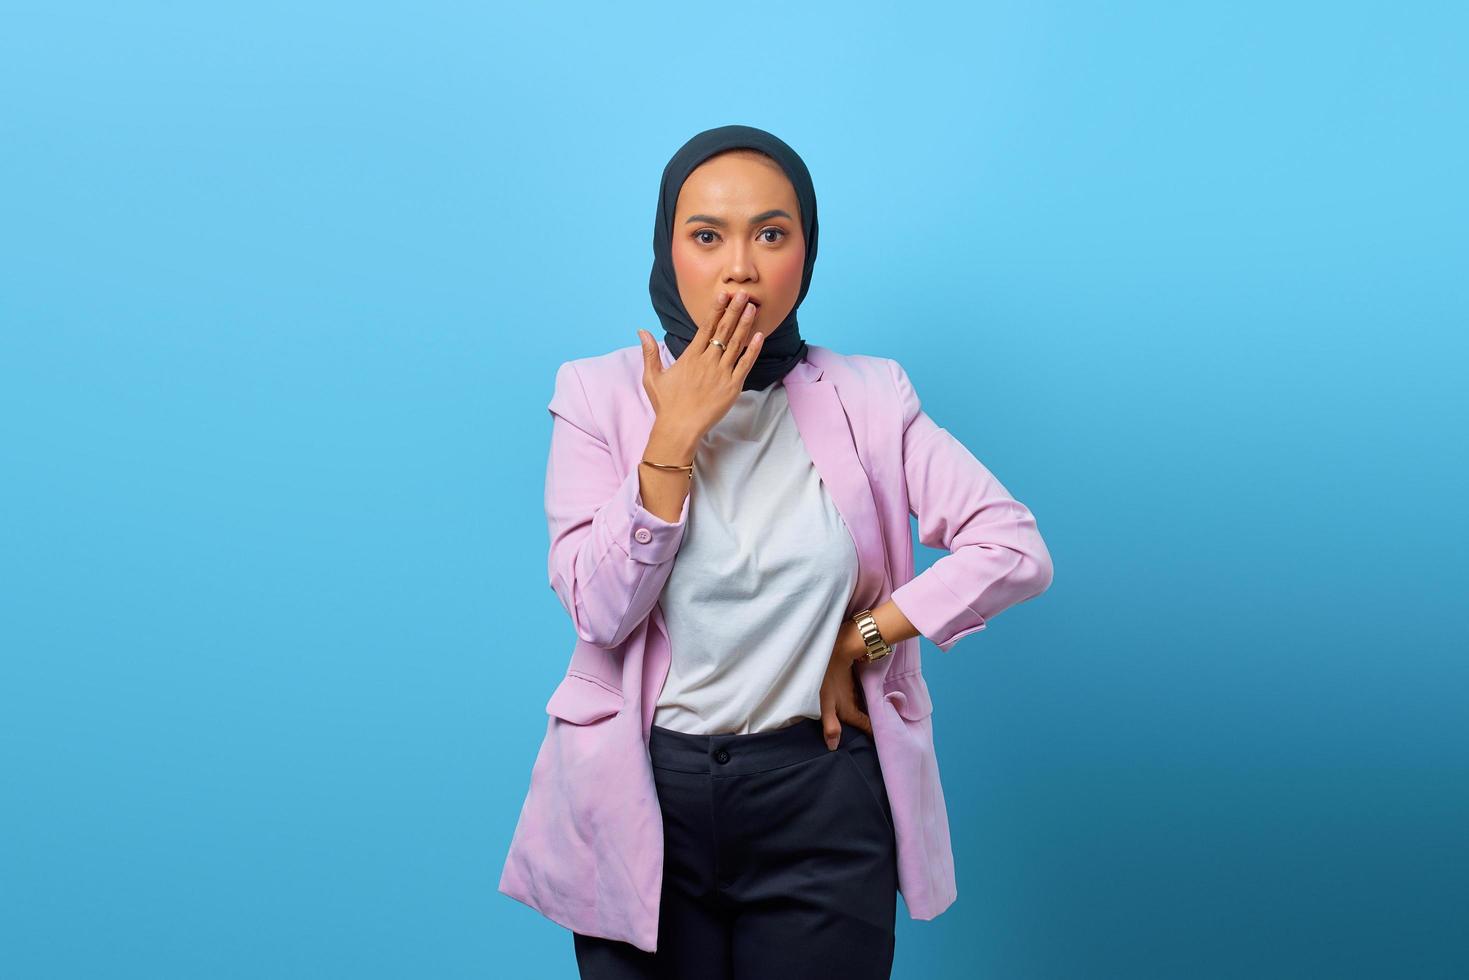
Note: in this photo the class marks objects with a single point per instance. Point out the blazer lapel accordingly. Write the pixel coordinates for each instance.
(822, 421)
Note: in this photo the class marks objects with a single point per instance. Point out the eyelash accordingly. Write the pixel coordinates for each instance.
(710, 231)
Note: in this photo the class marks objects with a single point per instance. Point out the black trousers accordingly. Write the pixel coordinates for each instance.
(779, 861)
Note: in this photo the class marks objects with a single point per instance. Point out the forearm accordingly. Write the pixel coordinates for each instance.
(663, 491)
(891, 623)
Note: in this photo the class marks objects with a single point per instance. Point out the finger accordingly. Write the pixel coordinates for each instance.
(726, 335)
(652, 364)
(738, 340)
(748, 356)
(739, 308)
(703, 334)
(859, 718)
(831, 728)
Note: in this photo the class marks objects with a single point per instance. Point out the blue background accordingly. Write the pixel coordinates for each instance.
(283, 290)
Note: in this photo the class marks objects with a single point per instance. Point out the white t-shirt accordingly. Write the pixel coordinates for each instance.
(761, 580)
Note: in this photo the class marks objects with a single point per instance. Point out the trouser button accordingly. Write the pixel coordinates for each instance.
(721, 755)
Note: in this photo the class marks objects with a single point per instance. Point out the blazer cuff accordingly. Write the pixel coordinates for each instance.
(641, 534)
(935, 611)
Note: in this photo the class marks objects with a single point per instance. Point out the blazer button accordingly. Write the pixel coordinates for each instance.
(643, 535)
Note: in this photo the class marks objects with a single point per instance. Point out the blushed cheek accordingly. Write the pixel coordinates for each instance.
(785, 274)
(691, 275)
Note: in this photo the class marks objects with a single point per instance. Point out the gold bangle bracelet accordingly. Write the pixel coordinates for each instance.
(671, 466)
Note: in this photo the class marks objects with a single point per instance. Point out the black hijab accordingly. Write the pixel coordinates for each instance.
(782, 347)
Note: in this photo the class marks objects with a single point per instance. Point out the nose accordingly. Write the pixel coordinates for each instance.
(741, 265)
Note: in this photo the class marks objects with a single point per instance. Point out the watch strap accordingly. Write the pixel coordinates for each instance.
(877, 647)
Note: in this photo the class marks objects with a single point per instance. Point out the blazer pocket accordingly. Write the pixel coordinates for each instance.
(582, 699)
(909, 694)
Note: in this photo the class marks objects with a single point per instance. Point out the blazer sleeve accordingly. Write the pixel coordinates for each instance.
(996, 556)
(609, 557)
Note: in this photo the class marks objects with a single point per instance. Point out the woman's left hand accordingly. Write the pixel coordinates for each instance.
(839, 688)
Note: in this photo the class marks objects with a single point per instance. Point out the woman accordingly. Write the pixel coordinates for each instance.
(738, 772)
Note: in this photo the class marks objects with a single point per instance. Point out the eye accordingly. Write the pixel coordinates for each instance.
(703, 231)
(779, 231)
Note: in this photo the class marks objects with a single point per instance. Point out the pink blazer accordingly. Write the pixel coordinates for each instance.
(587, 850)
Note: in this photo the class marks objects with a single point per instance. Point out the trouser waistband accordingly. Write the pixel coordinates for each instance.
(735, 754)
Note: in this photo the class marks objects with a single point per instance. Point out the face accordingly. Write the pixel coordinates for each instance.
(737, 226)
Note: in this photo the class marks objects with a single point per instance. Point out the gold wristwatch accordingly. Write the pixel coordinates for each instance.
(877, 648)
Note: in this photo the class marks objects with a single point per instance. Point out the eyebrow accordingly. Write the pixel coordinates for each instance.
(762, 216)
